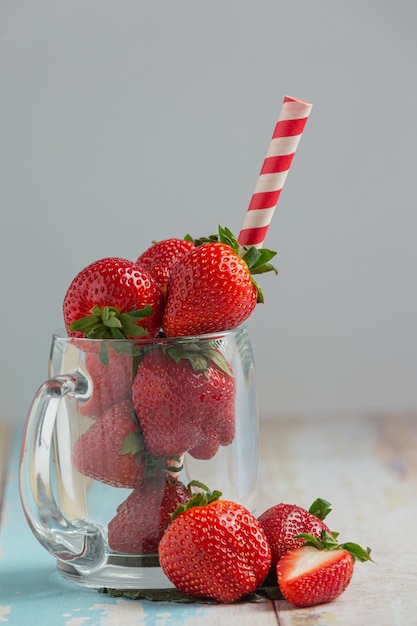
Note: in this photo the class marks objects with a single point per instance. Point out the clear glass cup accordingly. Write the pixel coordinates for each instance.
(111, 416)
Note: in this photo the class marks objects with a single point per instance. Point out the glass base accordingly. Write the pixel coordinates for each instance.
(119, 572)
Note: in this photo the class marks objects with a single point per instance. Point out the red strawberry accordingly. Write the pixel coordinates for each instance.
(319, 571)
(162, 256)
(283, 523)
(215, 549)
(113, 298)
(141, 519)
(184, 399)
(212, 289)
(111, 381)
(215, 432)
(110, 451)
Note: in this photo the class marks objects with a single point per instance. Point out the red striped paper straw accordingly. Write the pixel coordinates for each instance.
(287, 134)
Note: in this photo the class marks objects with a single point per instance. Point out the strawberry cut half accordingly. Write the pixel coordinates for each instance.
(283, 524)
(320, 570)
(307, 576)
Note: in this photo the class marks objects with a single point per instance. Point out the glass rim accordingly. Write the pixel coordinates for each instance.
(62, 335)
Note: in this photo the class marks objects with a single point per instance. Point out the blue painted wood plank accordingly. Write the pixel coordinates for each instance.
(31, 590)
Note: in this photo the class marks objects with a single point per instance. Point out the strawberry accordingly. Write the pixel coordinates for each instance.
(214, 548)
(184, 399)
(141, 519)
(160, 258)
(110, 451)
(319, 571)
(212, 288)
(113, 298)
(111, 381)
(283, 524)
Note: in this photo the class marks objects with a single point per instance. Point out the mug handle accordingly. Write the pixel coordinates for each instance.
(78, 542)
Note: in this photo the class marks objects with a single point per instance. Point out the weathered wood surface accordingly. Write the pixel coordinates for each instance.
(366, 467)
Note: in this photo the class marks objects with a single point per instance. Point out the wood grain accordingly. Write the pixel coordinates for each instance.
(365, 466)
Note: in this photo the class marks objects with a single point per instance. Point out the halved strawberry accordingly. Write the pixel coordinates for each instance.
(160, 258)
(319, 571)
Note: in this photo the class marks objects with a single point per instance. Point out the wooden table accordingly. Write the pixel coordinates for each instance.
(367, 468)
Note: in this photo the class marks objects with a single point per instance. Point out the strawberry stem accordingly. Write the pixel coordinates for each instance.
(134, 445)
(199, 357)
(203, 497)
(109, 323)
(328, 541)
(257, 259)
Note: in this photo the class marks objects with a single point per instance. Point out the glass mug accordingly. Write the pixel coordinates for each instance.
(86, 454)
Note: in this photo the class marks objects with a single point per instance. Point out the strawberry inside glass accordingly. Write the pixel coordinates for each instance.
(159, 414)
(151, 393)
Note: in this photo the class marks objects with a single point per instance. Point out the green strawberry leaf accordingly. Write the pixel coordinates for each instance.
(226, 236)
(110, 323)
(140, 313)
(328, 541)
(85, 324)
(103, 355)
(116, 333)
(132, 443)
(257, 259)
(219, 359)
(260, 298)
(251, 256)
(110, 317)
(199, 357)
(358, 553)
(320, 508)
(203, 497)
(201, 240)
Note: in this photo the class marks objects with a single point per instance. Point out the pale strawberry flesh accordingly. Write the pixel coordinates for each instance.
(282, 523)
(308, 576)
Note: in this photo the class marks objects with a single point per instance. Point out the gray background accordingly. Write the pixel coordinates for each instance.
(126, 121)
